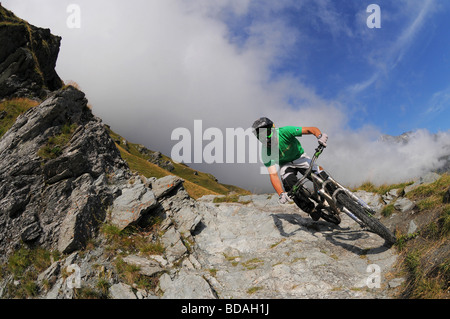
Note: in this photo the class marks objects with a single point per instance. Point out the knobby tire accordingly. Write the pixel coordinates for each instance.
(371, 222)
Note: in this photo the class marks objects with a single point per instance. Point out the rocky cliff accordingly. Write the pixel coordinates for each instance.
(27, 58)
(55, 200)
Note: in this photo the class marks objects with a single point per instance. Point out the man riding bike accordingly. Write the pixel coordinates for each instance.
(290, 156)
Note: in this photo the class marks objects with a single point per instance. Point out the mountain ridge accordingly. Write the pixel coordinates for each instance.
(407, 137)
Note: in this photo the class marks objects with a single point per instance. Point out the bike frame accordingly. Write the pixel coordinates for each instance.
(320, 194)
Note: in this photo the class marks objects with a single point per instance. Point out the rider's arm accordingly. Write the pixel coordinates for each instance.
(274, 179)
(311, 130)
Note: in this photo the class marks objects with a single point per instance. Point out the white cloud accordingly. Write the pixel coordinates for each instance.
(149, 67)
(384, 59)
(439, 102)
(407, 37)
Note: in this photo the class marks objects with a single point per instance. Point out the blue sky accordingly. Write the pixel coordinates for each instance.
(396, 77)
(149, 67)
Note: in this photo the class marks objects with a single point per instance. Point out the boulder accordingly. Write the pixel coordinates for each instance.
(163, 186)
(121, 291)
(390, 196)
(428, 178)
(371, 199)
(404, 205)
(187, 219)
(82, 217)
(135, 202)
(51, 273)
(173, 244)
(147, 266)
(412, 227)
(423, 180)
(186, 285)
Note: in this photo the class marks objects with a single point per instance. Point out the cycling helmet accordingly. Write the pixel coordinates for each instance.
(263, 124)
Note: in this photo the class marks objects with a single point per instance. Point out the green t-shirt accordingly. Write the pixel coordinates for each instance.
(289, 146)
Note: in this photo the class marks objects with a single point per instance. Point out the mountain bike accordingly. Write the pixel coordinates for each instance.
(332, 199)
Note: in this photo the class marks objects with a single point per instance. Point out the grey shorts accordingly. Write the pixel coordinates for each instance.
(289, 171)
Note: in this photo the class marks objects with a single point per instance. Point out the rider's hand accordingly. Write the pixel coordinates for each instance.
(323, 138)
(284, 198)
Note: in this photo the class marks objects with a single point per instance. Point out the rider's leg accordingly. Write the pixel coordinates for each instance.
(303, 163)
(289, 178)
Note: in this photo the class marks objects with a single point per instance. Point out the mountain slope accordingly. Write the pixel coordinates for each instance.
(420, 213)
(150, 163)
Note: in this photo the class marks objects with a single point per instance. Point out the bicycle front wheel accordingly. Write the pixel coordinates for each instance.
(366, 217)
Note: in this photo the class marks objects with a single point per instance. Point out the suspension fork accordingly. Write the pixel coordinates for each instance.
(342, 189)
(353, 196)
(320, 190)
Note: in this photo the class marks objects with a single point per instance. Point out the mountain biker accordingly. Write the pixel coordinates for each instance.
(290, 157)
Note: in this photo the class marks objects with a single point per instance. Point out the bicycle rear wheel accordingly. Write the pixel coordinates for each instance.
(366, 217)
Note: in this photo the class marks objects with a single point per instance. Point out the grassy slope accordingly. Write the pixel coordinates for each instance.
(10, 110)
(425, 254)
(196, 183)
(147, 169)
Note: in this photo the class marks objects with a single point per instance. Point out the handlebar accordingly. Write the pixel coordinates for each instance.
(319, 151)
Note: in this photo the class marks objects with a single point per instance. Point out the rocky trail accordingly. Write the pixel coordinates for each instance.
(260, 249)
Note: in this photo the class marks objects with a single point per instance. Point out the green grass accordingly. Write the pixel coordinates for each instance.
(132, 240)
(25, 265)
(253, 290)
(56, 144)
(23, 258)
(382, 189)
(90, 293)
(226, 199)
(252, 263)
(139, 164)
(424, 255)
(433, 191)
(10, 111)
(388, 210)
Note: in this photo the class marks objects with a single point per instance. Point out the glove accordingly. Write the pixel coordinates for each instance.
(323, 138)
(283, 199)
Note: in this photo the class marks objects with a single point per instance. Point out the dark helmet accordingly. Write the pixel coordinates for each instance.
(263, 124)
